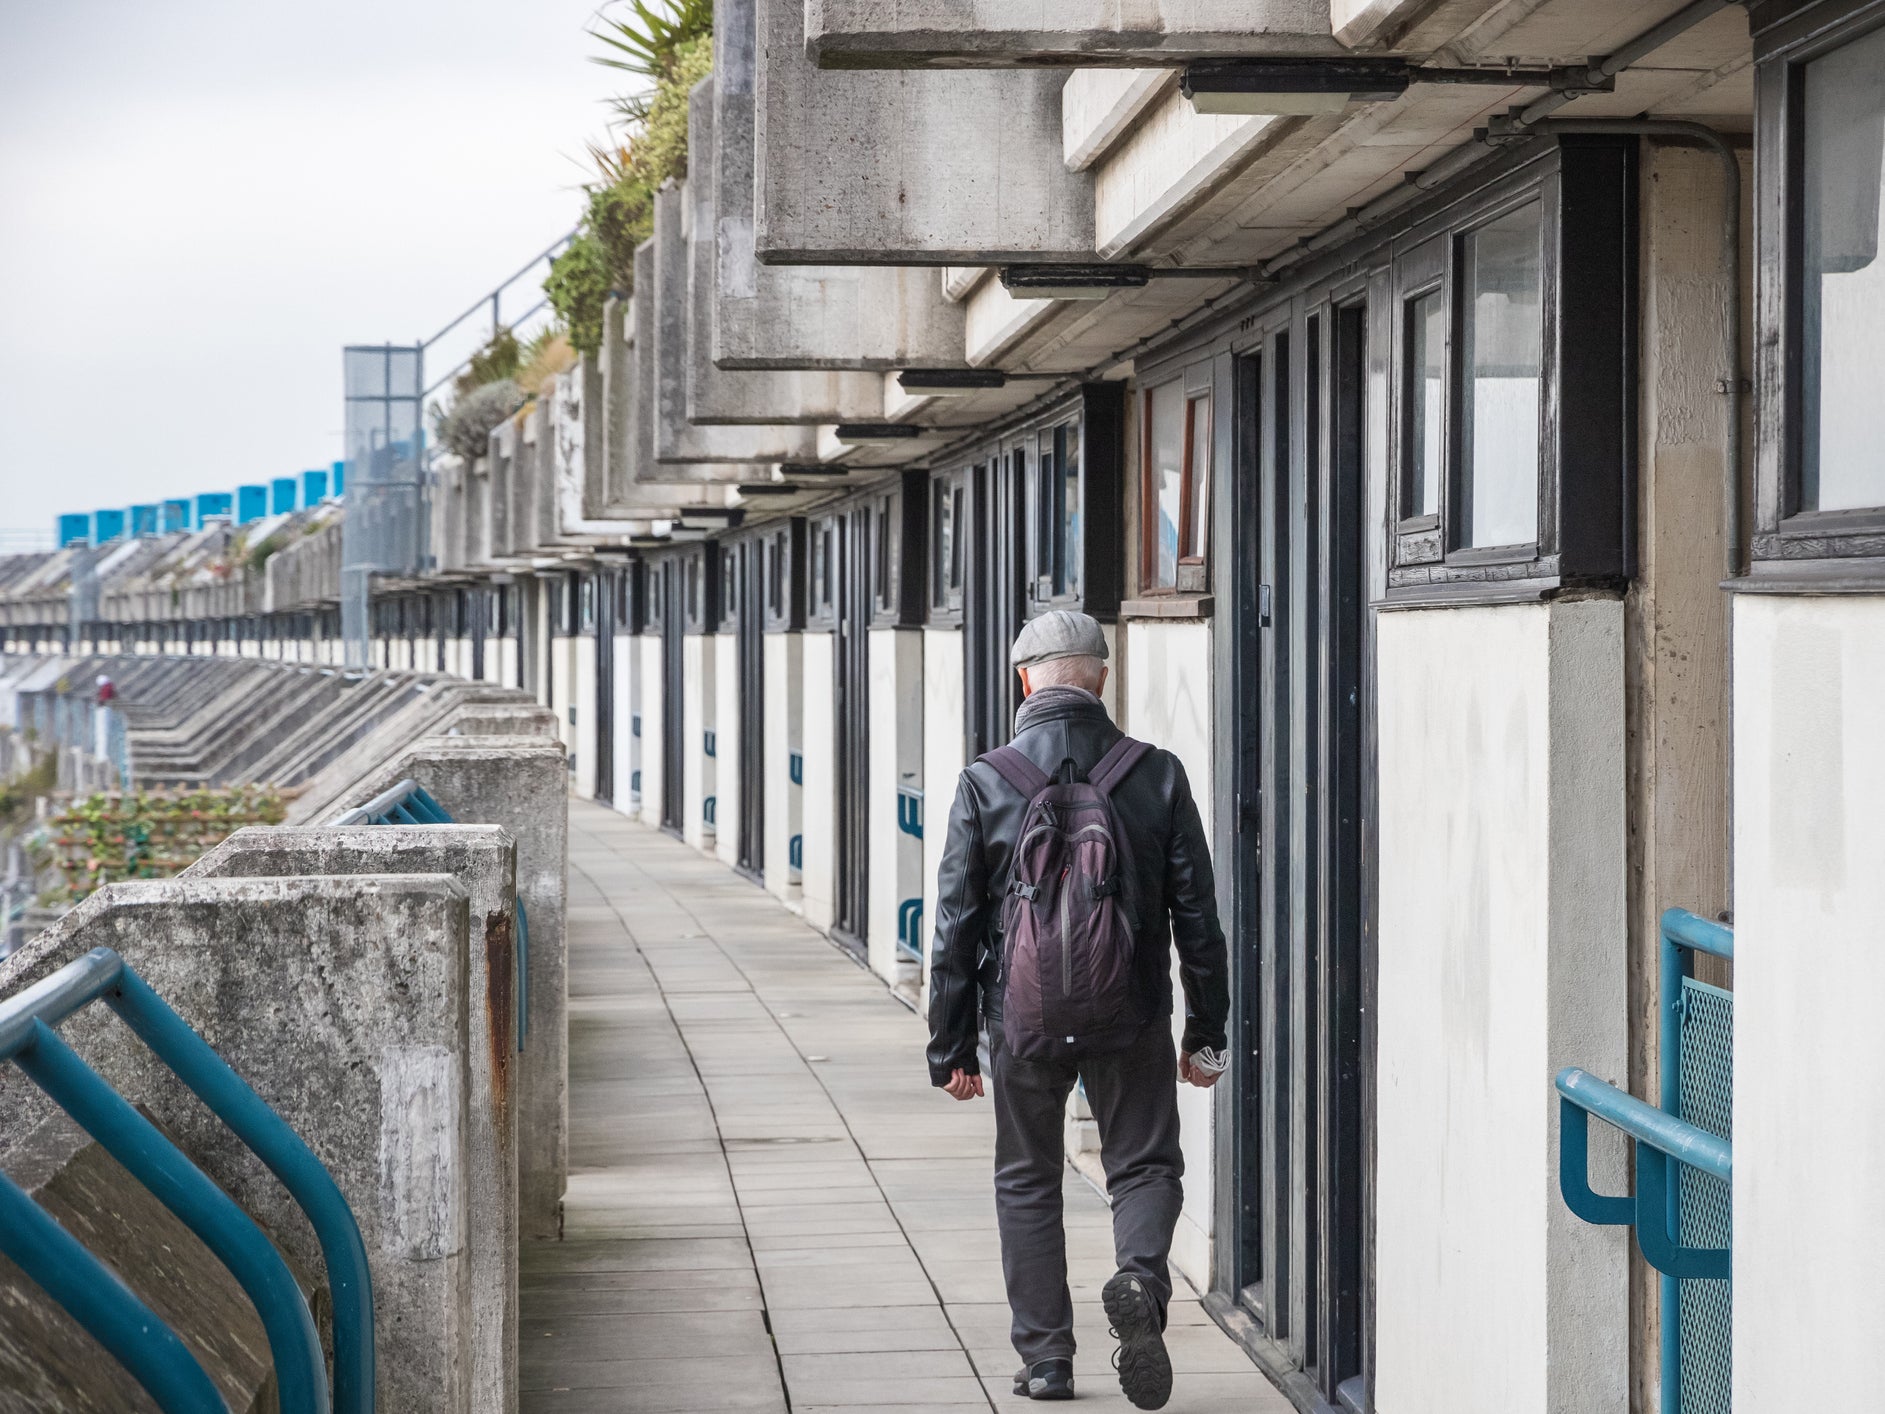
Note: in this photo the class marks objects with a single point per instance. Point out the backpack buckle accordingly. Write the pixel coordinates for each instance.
(1106, 888)
(1030, 892)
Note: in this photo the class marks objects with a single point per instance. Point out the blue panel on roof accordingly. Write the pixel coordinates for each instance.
(313, 487)
(107, 526)
(177, 515)
(213, 503)
(74, 530)
(340, 478)
(282, 495)
(144, 520)
(251, 503)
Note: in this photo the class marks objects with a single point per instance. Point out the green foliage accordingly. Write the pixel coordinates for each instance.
(498, 359)
(150, 834)
(646, 42)
(600, 261)
(17, 796)
(257, 556)
(467, 428)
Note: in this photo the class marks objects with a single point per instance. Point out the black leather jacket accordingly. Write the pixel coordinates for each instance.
(1171, 863)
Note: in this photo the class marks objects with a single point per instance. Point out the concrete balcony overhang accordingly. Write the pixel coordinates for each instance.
(908, 168)
(801, 316)
(917, 34)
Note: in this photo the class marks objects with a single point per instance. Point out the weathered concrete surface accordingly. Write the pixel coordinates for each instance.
(676, 439)
(714, 395)
(522, 718)
(909, 168)
(484, 859)
(869, 34)
(522, 784)
(813, 316)
(766, 1195)
(342, 1002)
(50, 1362)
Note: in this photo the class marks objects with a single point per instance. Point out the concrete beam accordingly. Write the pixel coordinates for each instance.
(801, 316)
(342, 1002)
(522, 784)
(484, 859)
(868, 34)
(716, 396)
(909, 168)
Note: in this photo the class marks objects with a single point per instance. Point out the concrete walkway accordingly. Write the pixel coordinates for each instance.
(769, 1208)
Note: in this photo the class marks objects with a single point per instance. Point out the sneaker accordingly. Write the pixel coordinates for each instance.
(1145, 1370)
(1045, 1379)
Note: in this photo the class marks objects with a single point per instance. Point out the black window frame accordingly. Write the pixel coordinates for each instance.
(948, 504)
(726, 620)
(1191, 571)
(821, 572)
(1585, 188)
(700, 589)
(1791, 549)
(784, 554)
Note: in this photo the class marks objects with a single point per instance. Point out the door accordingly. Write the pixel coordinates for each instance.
(608, 587)
(750, 627)
(673, 626)
(993, 597)
(851, 660)
(1299, 919)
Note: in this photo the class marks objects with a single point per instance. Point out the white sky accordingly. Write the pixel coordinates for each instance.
(201, 201)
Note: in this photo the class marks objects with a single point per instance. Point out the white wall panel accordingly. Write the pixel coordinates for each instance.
(818, 797)
(945, 749)
(726, 729)
(653, 715)
(698, 705)
(785, 686)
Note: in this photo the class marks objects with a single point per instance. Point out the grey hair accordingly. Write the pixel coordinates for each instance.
(1075, 670)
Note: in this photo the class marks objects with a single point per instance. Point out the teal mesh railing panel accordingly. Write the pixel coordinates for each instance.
(1705, 1308)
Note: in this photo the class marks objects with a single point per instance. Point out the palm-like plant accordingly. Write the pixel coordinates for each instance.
(644, 40)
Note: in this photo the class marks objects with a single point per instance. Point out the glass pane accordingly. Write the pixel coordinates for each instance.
(1046, 508)
(1426, 401)
(1166, 409)
(1197, 534)
(955, 551)
(1502, 356)
(1842, 285)
(1070, 508)
(945, 543)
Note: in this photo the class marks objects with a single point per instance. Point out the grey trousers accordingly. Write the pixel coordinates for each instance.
(1134, 1097)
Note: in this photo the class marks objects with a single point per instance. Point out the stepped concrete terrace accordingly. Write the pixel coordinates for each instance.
(769, 1208)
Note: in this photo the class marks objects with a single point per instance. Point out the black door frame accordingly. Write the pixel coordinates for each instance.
(748, 595)
(673, 629)
(851, 714)
(606, 588)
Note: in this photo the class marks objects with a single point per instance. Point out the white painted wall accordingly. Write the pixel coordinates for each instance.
(819, 797)
(698, 703)
(653, 714)
(945, 751)
(1503, 928)
(1809, 1064)
(1165, 676)
(896, 759)
(582, 709)
(726, 677)
(627, 704)
(785, 685)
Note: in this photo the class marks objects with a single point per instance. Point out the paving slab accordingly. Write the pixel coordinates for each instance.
(769, 1209)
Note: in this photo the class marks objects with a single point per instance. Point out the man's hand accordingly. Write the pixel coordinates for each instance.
(964, 1086)
(1192, 1075)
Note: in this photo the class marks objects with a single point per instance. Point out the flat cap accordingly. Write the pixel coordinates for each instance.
(1058, 633)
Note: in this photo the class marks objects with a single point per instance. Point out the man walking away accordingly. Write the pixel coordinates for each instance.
(1075, 860)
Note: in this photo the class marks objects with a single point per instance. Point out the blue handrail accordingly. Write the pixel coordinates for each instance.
(27, 1037)
(910, 810)
(410, 803)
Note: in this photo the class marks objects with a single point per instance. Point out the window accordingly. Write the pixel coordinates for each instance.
(886, 576)
(819, 585)
(945, 590)
(1055, 513)
(587, 623)
(1177, 486)
(1501, 357)
(1842, 279)
(1426, 404)
(1506, 308)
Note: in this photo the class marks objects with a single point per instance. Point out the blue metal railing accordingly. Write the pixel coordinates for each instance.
(95, 1296)
(410, 803)
(1684, 1166)
(910, 929)
(910, 810)
(795, 767)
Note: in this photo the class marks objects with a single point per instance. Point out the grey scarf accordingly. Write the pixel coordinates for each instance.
(1046, 699)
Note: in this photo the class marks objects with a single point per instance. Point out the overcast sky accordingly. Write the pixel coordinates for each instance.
(201, 201)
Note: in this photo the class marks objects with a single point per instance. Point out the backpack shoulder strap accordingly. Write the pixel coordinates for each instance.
(1117, 764)
(1017, 770)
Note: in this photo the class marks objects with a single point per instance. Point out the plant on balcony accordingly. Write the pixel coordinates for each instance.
(671, 45)
(466, 429)
(148, 834)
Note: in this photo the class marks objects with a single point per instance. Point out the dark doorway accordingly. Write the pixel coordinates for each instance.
(748, 595)
(851, 664)
(606, 589)
(1300, 1191)
(993, 597)
(673, 626)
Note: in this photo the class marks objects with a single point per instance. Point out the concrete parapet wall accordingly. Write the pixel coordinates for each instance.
(343, 1002)
(484, 859)
(522, 784)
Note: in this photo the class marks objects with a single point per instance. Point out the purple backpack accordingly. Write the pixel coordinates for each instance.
(1067, 934)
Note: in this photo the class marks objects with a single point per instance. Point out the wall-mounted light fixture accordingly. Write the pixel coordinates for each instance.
(1301, 87)
(875, 434)
(768, 488)
(1071, 281)
(792, 470)
(950, 382)
(711, 517)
